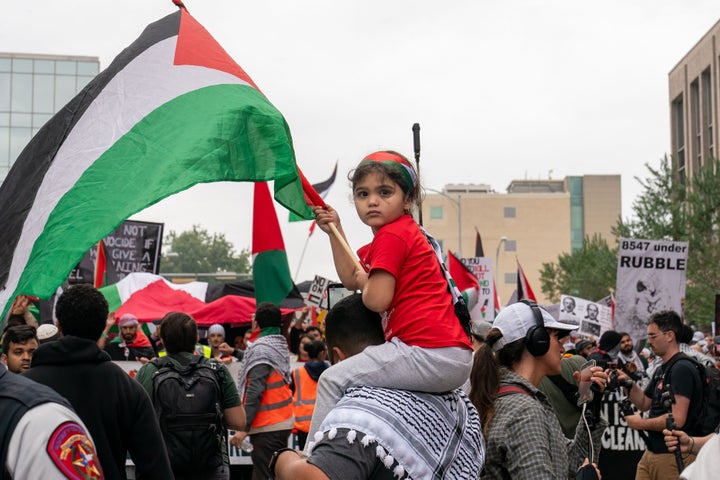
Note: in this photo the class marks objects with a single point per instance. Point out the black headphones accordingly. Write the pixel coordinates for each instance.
(537, 338)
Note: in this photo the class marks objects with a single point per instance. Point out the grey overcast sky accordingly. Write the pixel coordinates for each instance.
(502, 89)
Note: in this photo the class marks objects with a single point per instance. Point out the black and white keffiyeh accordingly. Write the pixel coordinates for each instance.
(461, 310)
(416, 435)
(270, 350)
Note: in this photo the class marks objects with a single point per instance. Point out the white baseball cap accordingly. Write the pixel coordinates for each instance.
(515, 320)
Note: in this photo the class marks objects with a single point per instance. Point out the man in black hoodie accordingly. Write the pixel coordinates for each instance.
(114, 407)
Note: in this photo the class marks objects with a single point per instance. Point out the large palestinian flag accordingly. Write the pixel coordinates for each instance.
(172, 110)
(149, 297)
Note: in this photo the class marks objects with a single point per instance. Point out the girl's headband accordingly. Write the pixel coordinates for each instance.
(394, 160)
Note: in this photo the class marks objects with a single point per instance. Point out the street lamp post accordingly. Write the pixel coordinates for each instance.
(458, 204)
(503, 239)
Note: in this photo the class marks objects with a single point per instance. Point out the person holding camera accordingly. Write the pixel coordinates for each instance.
(678, 403)
(523, 434)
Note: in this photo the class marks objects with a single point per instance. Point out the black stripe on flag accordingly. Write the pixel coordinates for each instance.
(18, 191)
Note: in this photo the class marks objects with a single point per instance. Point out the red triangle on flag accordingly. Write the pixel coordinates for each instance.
(195, 46)
(266, 228)
(524, 292)
(100, 265)
(464, 278)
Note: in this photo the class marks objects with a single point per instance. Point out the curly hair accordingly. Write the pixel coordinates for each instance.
(81, 311)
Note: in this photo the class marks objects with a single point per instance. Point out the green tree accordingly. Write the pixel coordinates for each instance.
(658, 212)
(196, 251)
(588, 272)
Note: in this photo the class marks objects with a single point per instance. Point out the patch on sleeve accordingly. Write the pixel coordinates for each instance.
(72, 452)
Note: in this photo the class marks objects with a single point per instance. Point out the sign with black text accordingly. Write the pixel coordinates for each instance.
(650, 278)
(317, 291)
(133, 247)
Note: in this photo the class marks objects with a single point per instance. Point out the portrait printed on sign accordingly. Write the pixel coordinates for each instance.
(650, 278)
(592, 318)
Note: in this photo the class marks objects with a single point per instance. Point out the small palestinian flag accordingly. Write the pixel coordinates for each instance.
(271, 272)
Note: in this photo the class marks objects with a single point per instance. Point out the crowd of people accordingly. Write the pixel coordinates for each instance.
(399, 384)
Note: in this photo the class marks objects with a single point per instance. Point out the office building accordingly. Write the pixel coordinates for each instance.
(535, 221)
(693, 89)
(32, 89)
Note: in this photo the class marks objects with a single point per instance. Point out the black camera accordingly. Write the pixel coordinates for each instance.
(613, 383)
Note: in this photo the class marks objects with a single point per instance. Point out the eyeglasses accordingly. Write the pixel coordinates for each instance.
(652, 336)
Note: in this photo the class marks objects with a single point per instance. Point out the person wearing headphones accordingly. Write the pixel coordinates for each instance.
(523, 434)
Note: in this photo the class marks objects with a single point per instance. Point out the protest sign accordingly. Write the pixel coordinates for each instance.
(650, 278)
(316, 293)
(481, 267)
(592, 318)
(133, 247)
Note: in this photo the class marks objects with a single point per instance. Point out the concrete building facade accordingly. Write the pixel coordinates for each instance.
(535, 221)
(32, 89)
(693, 91)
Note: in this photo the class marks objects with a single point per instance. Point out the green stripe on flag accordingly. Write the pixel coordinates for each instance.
(112, 295)
(217, 133)
(275, 282)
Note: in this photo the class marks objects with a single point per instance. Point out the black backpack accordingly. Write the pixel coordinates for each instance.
(187, 403)
(708, 418)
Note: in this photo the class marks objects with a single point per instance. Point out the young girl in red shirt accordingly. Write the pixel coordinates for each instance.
(403, 279)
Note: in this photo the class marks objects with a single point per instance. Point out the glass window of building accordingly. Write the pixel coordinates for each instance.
(22, 65)
(21, 94)
(4, 147)
(65, 67)
(21, 119)
(64, 91)
(19, 137)
(43, 90)
(5, 65)
(87, 68)
(510, 245)
(45, 66)
(4, 92)
(509, 212)
(510, 278)
(436, 212)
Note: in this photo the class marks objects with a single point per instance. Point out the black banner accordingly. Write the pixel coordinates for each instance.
(621, 446)
(133, 247)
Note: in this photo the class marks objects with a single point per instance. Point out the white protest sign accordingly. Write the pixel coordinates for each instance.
(481, 267)
(592, 318)
(650, 278)
(317, 291)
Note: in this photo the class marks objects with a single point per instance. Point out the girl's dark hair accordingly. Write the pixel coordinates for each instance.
(485, 374)
(392, 172)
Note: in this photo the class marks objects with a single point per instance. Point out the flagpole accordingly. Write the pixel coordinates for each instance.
(416, 147)
(346, 247)
(302, 255)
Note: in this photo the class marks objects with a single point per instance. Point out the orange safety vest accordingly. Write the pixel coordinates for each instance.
(304, 398)
(276, 403)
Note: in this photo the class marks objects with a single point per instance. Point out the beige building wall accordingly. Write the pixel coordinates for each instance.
(693, 92)
(537, 226)
(602, 205)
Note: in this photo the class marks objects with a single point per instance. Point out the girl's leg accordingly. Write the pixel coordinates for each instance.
(391, 365)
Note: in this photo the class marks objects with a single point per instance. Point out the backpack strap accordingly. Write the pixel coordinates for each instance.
(675, 358)
(505, 390)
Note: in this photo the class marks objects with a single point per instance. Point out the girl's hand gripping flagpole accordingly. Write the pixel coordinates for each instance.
(314, 199)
